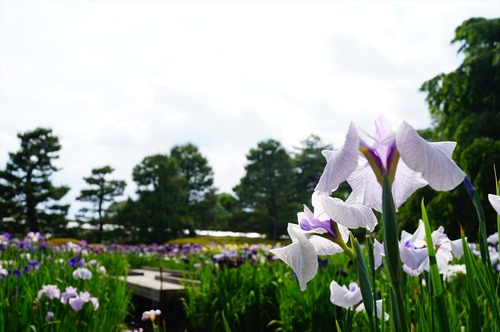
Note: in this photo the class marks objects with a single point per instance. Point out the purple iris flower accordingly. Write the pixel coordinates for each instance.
(403, 156)
(75, 261)
(35, 264)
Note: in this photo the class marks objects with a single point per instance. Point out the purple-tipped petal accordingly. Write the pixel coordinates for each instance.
(340, 163)
(343, 297)
(413, 250)
(413, 257)
(433, 160)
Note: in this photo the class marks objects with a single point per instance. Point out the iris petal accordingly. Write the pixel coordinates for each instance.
(324, 246)
(300, 256)
(413, 258)
(343, 297)
(433, 160)
(366, 189)
(378, 305)
(495, 202)
(406, 182)
(340, 163)
(378, 253)
(350, 215)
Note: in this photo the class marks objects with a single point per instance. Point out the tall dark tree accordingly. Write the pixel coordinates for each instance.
(200, 199)
(27, 189)
(267, 187)
(162, 191)
(100, 194)
(309, 164)
(465, 107)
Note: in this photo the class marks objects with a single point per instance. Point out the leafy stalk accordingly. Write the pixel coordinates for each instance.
(391, 246)
(437, 285)
(364, 282)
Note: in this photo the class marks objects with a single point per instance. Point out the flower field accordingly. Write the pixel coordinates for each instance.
(66, 286)
(385, 280)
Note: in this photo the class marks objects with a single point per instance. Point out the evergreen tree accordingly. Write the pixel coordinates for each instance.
(162, 191)
(101, 194)
(27, 191)
(200, 199)
(267, 189)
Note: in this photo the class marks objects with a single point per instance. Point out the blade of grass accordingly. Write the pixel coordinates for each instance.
(437, 285)
(226, 325)
(471, 290)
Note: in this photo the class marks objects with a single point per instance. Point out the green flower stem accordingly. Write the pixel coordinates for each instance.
(338, 240)
(364, 282)
(391, 246)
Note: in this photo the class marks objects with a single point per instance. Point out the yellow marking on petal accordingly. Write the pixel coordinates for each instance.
(394, 165)
(369, 157)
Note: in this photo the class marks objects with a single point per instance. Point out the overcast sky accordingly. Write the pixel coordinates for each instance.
(120, 80)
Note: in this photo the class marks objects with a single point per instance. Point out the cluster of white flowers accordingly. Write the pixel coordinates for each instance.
(82, 273)
(69, 296)
(77, 300)
(51, 291)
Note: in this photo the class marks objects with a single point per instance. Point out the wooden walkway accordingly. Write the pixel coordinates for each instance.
(157, 285)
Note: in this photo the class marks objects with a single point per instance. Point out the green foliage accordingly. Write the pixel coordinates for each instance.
(175, 193)
(161, 203)
(200, 199)
(465, 107)
(469, 95)
(267, 187)
(26, 190)
(224, 211)
(101, 193)
(21, 310)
